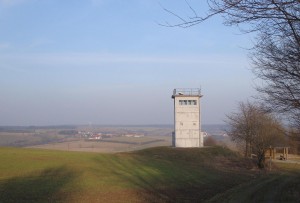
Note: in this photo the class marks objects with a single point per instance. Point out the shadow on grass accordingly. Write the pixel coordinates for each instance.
(269, 188)
(156, 179)
(42, 187)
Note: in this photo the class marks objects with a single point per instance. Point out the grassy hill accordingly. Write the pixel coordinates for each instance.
(161, 174)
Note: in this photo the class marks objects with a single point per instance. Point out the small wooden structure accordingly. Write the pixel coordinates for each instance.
(280, 153)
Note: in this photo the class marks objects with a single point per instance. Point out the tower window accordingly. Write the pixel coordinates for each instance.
(187, 102)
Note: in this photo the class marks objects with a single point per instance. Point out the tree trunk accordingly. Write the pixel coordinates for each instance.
(261, 159)
(246, 150)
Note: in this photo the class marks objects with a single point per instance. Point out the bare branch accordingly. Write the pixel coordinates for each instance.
(276, 51)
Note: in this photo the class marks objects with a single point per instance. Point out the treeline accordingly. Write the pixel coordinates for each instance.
(32, 129)
(68, 132)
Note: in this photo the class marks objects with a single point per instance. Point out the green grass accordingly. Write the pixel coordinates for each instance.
(161, 174)
(283, 187)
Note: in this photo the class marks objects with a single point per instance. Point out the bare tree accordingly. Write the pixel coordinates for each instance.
(276, 52)
(278, 65)
(210, 141)
(256, 129)
(241, 126)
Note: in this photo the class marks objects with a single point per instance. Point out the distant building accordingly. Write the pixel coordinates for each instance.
(133, 135)
(187, 122)
(96, 137)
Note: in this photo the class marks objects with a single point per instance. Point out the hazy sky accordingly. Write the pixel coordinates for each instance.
(110, 62)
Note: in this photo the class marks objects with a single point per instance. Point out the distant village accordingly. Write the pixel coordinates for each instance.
(99, 135)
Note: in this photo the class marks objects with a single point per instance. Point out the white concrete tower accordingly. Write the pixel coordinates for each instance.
(187, 122)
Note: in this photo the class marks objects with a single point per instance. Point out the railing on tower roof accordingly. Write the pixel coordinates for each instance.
(187, 92)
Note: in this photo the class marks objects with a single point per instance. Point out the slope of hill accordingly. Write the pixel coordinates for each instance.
(161, 174)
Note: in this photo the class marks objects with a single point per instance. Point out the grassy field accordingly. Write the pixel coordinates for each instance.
(66, 137)
(20, 139)
(108, 145)
(160, 174)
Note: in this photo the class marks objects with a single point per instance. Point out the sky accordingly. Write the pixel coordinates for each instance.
(111, 62)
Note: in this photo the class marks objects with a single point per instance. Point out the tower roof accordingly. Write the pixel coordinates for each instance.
(184, 92)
